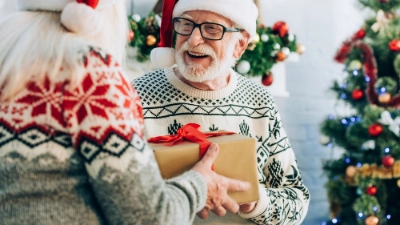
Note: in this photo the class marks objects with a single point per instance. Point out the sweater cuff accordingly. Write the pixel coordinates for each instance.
(262, 204)
(199, 185)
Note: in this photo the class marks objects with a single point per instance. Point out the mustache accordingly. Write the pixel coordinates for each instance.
(202, 49)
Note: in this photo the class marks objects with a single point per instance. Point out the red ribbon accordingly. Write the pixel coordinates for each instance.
(189, 132)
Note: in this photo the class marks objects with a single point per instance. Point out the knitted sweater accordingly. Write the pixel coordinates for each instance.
(75, 155)
(243, 107)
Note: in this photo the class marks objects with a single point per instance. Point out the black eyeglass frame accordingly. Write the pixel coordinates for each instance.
(224, 29)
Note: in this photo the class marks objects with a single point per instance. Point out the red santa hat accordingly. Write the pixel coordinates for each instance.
(78, 16)
(243, 13)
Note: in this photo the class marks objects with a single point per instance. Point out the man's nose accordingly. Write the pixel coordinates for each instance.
(196, 38)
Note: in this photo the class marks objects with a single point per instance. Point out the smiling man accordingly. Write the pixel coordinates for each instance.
(199, 85)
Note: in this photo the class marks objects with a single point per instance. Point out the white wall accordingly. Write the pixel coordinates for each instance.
(322, 26)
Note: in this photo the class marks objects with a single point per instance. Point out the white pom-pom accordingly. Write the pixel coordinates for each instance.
(264, 37)
(136, 18)
(81, 19)
(286, 50)
(243, 67)
(162, 57)
(324, 140)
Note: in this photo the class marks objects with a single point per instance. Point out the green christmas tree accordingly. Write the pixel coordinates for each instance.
(363, 184)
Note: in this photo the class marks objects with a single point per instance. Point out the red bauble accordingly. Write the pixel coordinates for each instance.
(357, 94)
(388, 161)
(267, 79)
(394, 45)
(91, 3)
(383, 1)
(372, 190)
(360, 34)
(281, 28)
(375, 129)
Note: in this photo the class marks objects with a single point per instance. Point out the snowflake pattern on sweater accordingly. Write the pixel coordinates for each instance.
(75, 154)
(242, 107)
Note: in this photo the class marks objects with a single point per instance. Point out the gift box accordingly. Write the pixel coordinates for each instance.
(236, 159)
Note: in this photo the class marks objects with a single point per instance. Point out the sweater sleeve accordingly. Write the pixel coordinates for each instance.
(103, 115)
(283, 197)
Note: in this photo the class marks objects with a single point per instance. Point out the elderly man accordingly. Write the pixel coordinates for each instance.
(202, 88)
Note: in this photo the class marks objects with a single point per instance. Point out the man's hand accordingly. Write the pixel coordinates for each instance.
(218, 186)
(248, 207)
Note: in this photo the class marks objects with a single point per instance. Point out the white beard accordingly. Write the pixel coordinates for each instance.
(196, 72)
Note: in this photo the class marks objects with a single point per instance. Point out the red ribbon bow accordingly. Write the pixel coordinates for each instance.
(190, 132)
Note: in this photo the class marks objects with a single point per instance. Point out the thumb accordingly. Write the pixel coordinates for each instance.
(211, 155)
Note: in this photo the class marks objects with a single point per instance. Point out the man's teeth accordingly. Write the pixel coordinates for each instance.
(196, 54)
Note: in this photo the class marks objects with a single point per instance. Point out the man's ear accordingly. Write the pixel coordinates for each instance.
(241, 45)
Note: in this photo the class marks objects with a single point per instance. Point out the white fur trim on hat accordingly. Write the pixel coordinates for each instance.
(244, 13)
(81, 19)
(162, 57)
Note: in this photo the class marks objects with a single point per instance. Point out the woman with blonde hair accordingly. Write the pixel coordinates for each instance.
(72, 149)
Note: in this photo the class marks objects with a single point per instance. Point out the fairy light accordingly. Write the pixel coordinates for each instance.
(343, 96)
(359, 164)
(386, 150)
(347, 160)
(367, 79)
(375, 208)
(334, 221)
(360, 214)
(388, 216)
(355, 72)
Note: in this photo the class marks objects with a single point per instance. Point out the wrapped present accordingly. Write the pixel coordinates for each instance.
(176, 154)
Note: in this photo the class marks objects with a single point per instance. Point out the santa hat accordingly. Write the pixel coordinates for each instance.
(78, 16)
(243, 13)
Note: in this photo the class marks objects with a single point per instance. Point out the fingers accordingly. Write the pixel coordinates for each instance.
(219, 211)
(210, 155)
(230, 205)
(203, 214)
(236, 185)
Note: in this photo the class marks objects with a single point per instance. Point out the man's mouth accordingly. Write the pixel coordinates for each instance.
(196, 55)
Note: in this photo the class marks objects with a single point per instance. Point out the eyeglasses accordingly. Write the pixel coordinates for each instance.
(210, 31)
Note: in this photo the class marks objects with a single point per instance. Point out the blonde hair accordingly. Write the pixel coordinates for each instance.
(35, 46)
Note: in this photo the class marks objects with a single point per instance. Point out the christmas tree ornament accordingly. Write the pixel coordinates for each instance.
(371, 220)
(394, 45)
(151, 40)
(131, 35)
(398, 183)
(371, 190)
(280, 56)
(384, 98)
(300, 48)
(286, 51)
(324, 140)
(267, 79)
(264, 37)
(243, 67)
(383, 1)
(277, 46)
(368, 145)
(355, 65)
(375, 130)
(281, 28)
(251, 46)
(357, 94)
(360, 34)
(273, 53)
(136, 18)
(381, 21)
(394, 124)
(388, 161)
(291, 37)
(256, 39)
(351, 171)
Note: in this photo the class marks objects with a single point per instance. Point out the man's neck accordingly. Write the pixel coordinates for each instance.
(209, 85)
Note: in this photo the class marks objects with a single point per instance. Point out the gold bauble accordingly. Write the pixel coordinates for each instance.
(151, 40)
(256, 39)
(355, 65)
(300, 48)
(251, 46)
(398, 183)
(384, 98)
(351, 171)
(371, 220)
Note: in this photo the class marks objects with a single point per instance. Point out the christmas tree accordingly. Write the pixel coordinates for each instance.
(363, 184)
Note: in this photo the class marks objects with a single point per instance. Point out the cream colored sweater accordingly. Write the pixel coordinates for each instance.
(243, 107)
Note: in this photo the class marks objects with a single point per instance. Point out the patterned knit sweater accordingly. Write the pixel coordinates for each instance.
(76, 156)
(243, 107)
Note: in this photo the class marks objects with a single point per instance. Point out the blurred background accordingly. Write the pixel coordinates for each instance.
(321, 27)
